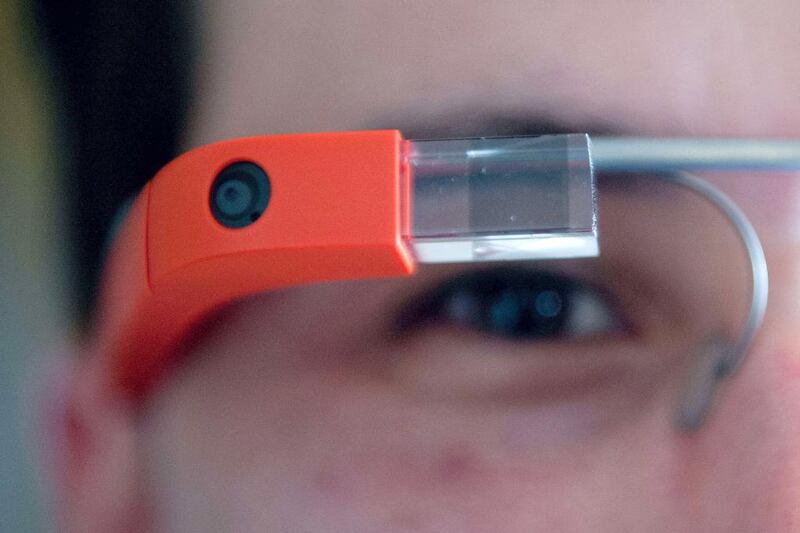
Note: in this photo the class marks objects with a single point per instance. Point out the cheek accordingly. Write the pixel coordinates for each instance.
(348, 457)
(750, 449)
(744, 468)
(316, 452)
(331, 453)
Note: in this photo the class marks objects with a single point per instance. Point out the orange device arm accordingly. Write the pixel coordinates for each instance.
(338, 210)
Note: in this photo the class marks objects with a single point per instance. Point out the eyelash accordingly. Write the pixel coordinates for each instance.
(519, 304)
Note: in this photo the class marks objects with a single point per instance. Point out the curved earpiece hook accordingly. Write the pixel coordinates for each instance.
(720, 357)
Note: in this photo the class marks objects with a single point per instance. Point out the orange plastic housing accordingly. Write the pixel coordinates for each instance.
(337, 211)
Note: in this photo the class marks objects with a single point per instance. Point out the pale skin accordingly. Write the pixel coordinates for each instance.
(295, 414)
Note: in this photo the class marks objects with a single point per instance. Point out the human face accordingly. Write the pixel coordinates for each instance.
(297, 414)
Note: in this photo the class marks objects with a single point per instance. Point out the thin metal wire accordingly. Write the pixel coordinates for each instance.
(640, 154)
(731, 359)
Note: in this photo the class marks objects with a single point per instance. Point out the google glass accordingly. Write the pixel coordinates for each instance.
(244, 216)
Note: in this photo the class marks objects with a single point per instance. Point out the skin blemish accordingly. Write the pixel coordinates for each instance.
(458, 464)
(791, 364)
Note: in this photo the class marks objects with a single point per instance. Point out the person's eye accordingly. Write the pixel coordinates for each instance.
(519, 304)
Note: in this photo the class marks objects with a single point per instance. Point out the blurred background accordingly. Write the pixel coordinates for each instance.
(92, 99)
(33, 310)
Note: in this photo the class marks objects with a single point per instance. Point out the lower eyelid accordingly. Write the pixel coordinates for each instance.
(449, 365)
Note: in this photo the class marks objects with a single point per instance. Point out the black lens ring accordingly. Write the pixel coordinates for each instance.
(242, 174)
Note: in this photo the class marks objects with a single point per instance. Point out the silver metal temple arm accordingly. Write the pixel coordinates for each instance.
(639, 154)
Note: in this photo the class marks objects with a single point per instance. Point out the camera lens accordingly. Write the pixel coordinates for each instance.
(240, 194)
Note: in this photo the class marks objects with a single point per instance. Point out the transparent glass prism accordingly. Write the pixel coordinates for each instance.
(504, 198)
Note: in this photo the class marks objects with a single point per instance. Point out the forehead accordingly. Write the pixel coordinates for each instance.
(700, 68)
